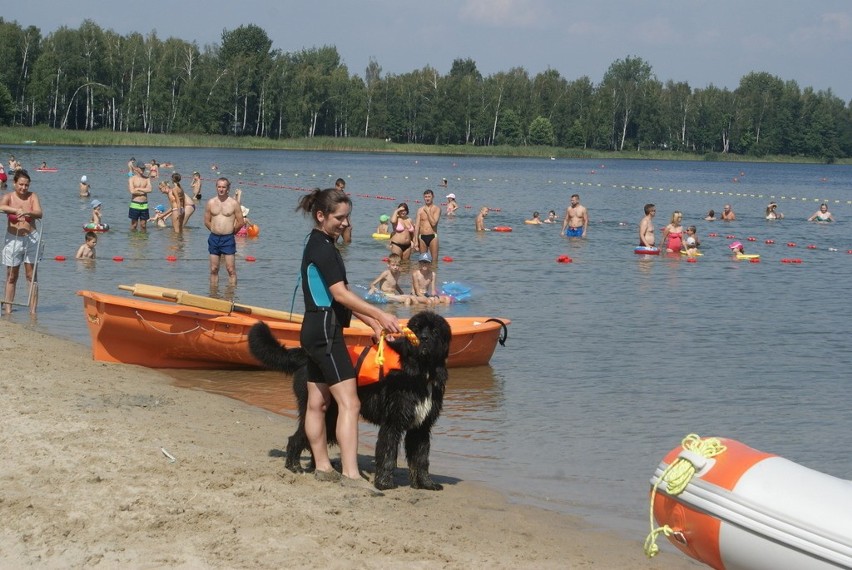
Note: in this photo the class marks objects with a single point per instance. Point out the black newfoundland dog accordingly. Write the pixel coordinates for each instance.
(406, 402)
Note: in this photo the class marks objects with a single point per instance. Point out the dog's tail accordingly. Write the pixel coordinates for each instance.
(269, 352)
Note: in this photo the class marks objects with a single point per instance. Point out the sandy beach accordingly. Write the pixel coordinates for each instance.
(110, 465)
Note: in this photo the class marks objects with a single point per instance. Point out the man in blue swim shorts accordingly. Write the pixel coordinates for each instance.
(576, 220)
(223, 217)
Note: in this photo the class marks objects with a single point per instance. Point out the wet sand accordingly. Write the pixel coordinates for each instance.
(88, 480)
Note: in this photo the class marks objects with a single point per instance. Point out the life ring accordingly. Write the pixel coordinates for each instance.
(501, 229)
(90, 227)
(647, 250)
(381, 236)
(745, 508)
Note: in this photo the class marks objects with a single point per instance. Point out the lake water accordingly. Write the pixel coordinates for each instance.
(611, 360)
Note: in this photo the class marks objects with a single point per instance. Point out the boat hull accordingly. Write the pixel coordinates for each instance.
(746, 509)
(159, 335)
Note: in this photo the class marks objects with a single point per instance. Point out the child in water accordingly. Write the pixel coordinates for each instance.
(87, 250)
(423, 283)
(96, 220)
(160, 214)
(691, 242)
(388, 282)
(382, 228)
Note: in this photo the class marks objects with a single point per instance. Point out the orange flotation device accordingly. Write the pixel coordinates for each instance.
(367, 369)
(374, 362)
(501, 229)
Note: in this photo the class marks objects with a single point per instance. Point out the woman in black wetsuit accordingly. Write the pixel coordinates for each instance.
(329, 305)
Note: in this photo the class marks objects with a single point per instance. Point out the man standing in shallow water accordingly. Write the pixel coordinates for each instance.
(223, 217)
(426, 225)
(576, 220)
(646, 226)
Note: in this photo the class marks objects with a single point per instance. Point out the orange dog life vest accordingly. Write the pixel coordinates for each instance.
(367, 370)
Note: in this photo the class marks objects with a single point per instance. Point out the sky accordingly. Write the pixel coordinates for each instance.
(699, 42)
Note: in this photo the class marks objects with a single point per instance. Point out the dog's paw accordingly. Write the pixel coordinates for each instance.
(384, 484)
(427, 484)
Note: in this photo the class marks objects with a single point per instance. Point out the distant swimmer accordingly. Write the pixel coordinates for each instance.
(822, 215)
(535, 220)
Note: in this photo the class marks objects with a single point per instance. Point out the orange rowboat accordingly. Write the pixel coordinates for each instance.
(159, 335)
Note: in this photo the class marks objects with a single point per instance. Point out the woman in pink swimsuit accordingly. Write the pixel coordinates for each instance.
(673, 234)
(402, 232)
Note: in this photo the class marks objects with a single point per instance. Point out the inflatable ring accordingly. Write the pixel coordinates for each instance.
(501, 229)
(90, 227)
(748, 256)
(381, 236)
(696, 254)
(647, 250)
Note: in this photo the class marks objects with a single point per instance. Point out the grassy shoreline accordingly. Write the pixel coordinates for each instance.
(45, 136)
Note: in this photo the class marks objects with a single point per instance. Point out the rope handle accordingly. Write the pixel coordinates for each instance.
(677, 476)
(380, 351)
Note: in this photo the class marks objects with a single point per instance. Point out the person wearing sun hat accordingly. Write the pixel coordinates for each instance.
(423, 282)
(382, 228)
(452, 205)
(737, 247)
(772, 213)
(85, 188)
(96, 213)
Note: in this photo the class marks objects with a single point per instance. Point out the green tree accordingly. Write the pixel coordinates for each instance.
(247, 55)
(541, 132)
(626, 82)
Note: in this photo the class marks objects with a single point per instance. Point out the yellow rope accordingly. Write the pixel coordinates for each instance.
(380, 350)
(677, 476)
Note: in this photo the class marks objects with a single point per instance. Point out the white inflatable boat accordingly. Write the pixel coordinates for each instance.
(733, 507)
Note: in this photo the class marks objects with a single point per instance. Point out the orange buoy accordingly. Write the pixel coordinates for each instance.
(564, 259)
(754, 260)
(118, 258)
(253, 230)
(691, 260)
(751, 238)
(59, 258)
(730, 237)
(250, 258)
(501, 229)
(171, 258)
(791, 244)
(811, 246)
(769, 241)
(447, 258)
(712, 234)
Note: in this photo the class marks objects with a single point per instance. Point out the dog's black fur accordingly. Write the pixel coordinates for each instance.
(407, 401)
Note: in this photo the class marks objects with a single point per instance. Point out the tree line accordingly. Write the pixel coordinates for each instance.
(90, 78)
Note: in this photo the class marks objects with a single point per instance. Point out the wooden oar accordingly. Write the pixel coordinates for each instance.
(199, 301)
